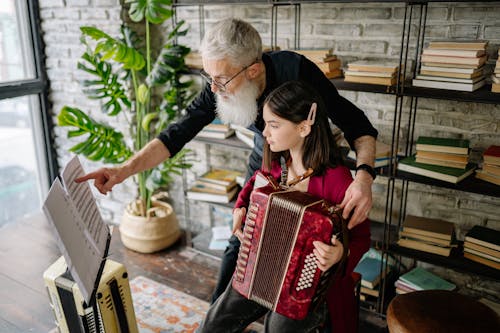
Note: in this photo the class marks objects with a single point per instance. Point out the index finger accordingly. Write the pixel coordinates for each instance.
(90, 175)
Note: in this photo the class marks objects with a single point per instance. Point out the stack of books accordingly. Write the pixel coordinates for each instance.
(216, 130)
(372, 272)
(482, 245)
(216, 185)
(372, 72)
(421, 279)
(495, 77)
(244, 134)
(491, 165)
(453, 65)
(325, 60)
(428, 235)
(445, 159)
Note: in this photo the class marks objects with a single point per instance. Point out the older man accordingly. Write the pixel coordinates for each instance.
(239, 78)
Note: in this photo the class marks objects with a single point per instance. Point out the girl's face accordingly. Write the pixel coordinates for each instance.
(281, 134)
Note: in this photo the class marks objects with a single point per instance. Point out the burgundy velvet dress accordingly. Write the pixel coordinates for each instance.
(332, 186)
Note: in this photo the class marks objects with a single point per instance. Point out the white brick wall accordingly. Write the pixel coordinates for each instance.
(354, 31)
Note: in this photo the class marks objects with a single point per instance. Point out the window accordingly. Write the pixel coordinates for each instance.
(25, 168)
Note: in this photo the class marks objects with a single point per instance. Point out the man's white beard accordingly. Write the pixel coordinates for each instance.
(241, 107)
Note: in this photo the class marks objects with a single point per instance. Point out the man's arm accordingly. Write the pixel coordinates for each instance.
(359, 194)
(148, 157)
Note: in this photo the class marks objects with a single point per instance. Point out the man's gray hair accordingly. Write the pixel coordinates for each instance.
(233, 39)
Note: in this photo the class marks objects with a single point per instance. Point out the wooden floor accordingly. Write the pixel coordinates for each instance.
(28, 247)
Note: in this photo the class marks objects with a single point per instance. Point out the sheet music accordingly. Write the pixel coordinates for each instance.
(83, 237)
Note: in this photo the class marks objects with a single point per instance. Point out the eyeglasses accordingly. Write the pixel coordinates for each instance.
(222, 86)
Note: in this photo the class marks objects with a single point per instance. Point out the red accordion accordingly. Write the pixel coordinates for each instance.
(276, 265)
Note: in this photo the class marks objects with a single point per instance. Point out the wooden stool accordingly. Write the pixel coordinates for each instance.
(440, 311)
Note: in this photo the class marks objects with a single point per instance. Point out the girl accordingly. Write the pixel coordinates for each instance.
(297, 129)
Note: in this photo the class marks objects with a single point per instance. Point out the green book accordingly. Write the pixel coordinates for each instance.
(421, 279)
(446, 145)
(370, 269)
(447, 174)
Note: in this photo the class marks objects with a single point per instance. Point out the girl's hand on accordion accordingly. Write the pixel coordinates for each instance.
(328, 255)
(238, 214)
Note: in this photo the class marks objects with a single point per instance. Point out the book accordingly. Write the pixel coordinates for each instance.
(421, 279)
(317, 56)
(83, 237)
(484, 236)
(448, 85)
(369, 291)
(364, 73)
(482, 260)
(424, 238)
(370, 270)
(457, 44)
(207, 133)
(447, 174)
(387, 81)
(329, 66)
(495, 87)
(449, 79)
(452, 75)
(482, 249)
(482, 254)
(432, 161)
(425, 247)
(220, 237)
(492, 169)
(443, 156)
(429, 227)
(444, 145)
(451, 69)
(195, 194)
(492, 155)
(373, 66)
(207, 187)
(454, 52)
(333, 74)
(220, 176)
(487, 177)
(477, 62)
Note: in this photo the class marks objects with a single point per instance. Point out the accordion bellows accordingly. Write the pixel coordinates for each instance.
(276, 266)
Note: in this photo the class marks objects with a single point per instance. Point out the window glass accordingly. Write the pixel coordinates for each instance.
(22, 175)
(16, 56)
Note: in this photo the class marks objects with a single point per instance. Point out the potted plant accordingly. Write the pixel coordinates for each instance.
(151, 95)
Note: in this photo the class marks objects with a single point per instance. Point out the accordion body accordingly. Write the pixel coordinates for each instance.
(111, 312)
(276, 265)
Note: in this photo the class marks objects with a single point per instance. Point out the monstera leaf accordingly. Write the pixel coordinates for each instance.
(106, 86)
(117, 50)
(155, 11)
(102, 144)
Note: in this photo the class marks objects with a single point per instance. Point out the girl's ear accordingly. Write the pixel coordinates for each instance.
(304, 128)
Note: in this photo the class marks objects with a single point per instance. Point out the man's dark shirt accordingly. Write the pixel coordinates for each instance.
(281, 66)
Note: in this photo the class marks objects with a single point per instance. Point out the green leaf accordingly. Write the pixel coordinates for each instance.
(117, 50)
(162, 175)
(103, 143)
(155, 11)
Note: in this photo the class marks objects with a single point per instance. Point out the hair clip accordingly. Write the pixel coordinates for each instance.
(312, 114)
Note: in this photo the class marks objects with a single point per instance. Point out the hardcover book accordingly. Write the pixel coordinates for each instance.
(370, 270)
(194, 193)
(477, 62)
(490, 178)
(470, 71)
(459, 44)
(483, 249)
(429, 227)
(448, 85)
(424, 238)
(387, 81)
(484, 236)
(482, 260)
(454, 52)
(446, 145)
(373, 66)
(421, 279)
(452, 164)
(220, 176)
(425, 247)
(447, 174)
(492, 155)
(461, 158)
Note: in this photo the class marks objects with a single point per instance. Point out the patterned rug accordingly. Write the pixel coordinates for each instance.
(161, 309)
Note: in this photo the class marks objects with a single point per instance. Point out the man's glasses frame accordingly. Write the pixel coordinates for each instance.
(222, 86)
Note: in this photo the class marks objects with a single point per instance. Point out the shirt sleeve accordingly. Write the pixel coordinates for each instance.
(199, 113)
(348, 117)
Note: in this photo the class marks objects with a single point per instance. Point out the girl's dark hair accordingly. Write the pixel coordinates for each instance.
(292, 101)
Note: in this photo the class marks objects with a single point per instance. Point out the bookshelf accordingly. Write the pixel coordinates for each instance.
(386, 232)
